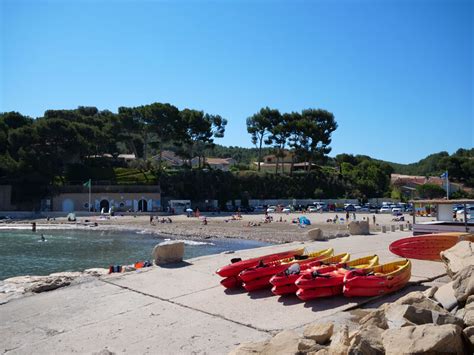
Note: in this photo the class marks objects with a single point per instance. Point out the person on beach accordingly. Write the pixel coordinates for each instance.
(42, 238)
(347, 215)
(373, 219)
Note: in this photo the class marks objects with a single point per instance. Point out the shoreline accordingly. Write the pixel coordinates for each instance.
(218, 226)
(184, 228)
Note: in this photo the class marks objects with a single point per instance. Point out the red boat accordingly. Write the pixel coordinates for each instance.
(284, 282)
(378, 280)
(428, 246)
(328, 281)
(258, 277)
(231, 272)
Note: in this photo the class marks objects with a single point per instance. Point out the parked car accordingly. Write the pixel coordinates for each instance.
(259, 209)
(286, 209)
(271, 209)
(396, 211)
(385, 209)
(350, 208)
(312, 209)
(469, 211)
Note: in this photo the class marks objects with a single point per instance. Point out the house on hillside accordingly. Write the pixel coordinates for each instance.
(269, 162)
(124, 157)
(272, 158)
(409, 183)
(170, 158)
(223, 164)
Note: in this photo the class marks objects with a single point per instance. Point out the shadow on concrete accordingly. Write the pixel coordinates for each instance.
(175, 265)
(289, 300)
(235, 291)
(322, 304)
(261, 294)
(392, 297)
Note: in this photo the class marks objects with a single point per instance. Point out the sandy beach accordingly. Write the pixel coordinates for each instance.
(219, 226)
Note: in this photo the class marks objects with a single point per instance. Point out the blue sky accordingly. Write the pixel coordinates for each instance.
(397, 74)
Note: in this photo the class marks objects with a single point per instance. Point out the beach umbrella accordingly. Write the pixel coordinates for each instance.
(189, 210)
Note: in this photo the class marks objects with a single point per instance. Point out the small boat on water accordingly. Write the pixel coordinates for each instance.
(428, 246)
(377, 280)
(258, 277)
(328, 281)
(230, 272)
(284, 282)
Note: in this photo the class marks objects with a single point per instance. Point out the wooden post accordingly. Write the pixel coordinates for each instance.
(414, 212)
(465, 218)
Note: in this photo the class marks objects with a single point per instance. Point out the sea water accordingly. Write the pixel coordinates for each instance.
(23, 253)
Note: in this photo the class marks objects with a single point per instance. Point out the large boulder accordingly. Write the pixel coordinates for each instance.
(445, 295)
(427, 338)
(321, 333)
(418, 299)
(367, 341)
(168, 252)
(406, 315)
(469, 317)
(463, 284)
(316, 234)
(375, 319)
(469, 336)
(458, 257)
(359, 228)
(340, 341)
(286, 342)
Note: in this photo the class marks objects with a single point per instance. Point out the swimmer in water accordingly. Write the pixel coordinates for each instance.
(42, 238)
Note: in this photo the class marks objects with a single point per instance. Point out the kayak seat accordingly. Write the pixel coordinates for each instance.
(301, 257)
(235, 260)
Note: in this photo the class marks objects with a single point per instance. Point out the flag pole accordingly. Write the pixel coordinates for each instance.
(447, 186)
(90, 183)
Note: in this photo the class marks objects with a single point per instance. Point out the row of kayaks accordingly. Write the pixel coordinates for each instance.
(312, 275)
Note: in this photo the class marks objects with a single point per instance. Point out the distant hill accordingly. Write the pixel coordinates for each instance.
(433, 164)
(459, 164)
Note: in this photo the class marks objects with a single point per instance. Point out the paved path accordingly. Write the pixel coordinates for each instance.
(180, 310)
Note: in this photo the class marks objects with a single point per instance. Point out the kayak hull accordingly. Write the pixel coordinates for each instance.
(231, 282)
(258, 284)
(284, 289)
(428, 246)
(377, 280)
(235, 268)
(268, 270)
(319, 292)
(281, 278)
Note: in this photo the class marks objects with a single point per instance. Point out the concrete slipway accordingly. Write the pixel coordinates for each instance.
(175, 310)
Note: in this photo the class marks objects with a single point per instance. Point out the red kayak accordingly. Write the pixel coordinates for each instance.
(325, 282)
(284, 282)
(318, 292)
(259, 276)
(428, 246)
(237, 265)
(377, 280)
